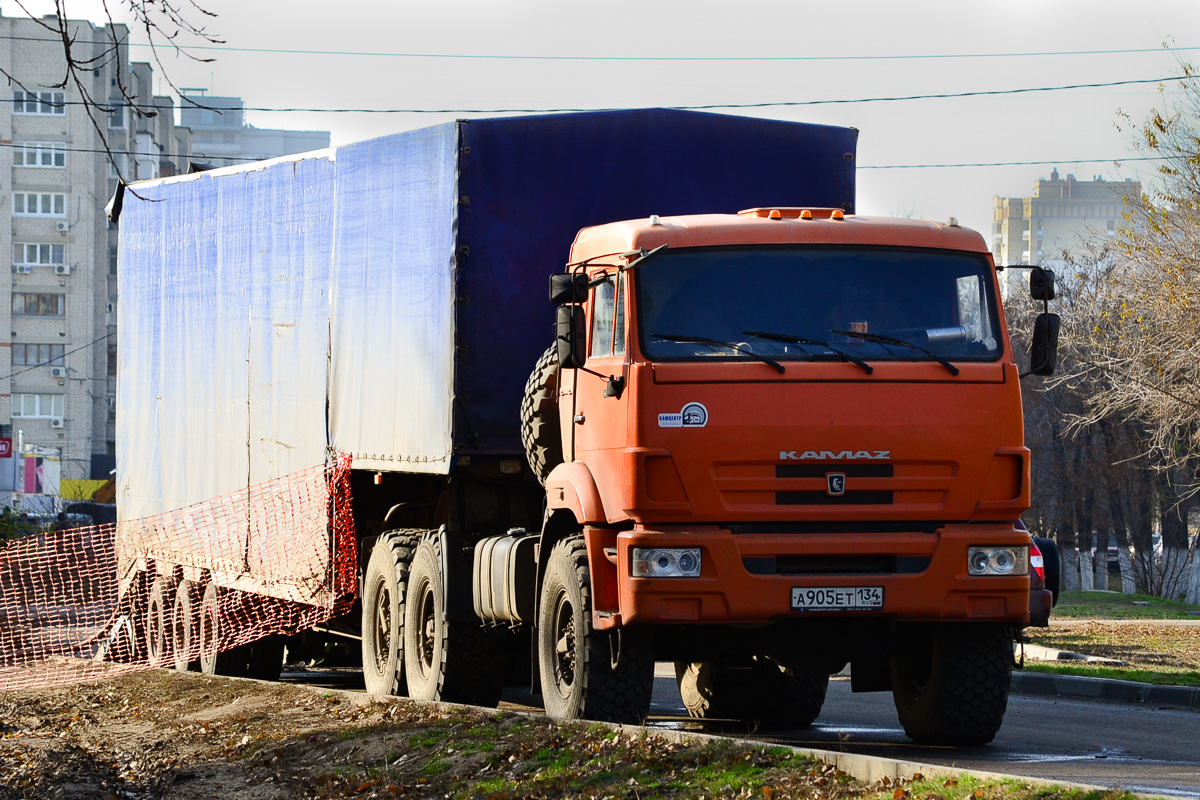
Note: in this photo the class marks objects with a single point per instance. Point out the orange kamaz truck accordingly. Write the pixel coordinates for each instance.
(759, 442)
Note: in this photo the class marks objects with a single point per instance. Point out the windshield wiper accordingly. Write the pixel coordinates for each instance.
(790, 339)
(881, 339)
(736, 346)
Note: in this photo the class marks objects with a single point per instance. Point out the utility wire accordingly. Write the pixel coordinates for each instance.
(528, 57)
(50, 363)
(201, 157)
(704, 107)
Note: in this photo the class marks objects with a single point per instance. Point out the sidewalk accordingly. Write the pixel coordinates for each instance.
(1078, 686)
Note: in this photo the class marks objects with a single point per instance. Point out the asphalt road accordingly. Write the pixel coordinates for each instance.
(1138, 747)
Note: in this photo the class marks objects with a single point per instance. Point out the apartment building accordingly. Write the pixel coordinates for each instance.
(59, 345)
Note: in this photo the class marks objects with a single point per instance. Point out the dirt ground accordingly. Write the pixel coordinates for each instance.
(160, 734)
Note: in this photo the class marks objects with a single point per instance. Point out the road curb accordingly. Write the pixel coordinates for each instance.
(1042, 683)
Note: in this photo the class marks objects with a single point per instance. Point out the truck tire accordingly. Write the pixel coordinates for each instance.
(576, 661)
(183, 628)
(950, 684)
(763, 693)
(384, 588)
(1051, 564)
(158, 623)
(456, 661)
(540, 430)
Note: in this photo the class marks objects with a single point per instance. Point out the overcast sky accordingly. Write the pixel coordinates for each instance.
(576, 54)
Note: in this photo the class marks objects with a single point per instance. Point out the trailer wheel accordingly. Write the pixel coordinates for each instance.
(210, 630)
(578, 678)
(383, 612)
(457, 661)
(540, 430)
(950, 683)
(158, 627)
(183, 628)
(762, 693)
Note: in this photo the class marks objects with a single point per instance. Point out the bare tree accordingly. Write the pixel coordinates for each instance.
(168, 28)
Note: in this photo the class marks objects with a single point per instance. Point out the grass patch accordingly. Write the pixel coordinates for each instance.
(1113, 605)
(1116, 673)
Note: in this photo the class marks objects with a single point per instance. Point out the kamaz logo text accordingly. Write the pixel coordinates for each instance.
(830, 455)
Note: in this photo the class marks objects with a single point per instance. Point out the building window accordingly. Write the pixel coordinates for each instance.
(32, 204)
(40, 154)
(28, 304)
(38, 355)
(112, 359)
(118, 165)
(37, 405)
(39, 102)
(37, 254)
(112, 259)
(116, 117)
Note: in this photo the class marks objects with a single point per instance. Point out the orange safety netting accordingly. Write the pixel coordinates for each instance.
(204, 581)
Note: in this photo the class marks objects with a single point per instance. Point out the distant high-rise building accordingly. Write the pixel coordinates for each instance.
(1059, 216)
(221, 137)
(58, 359)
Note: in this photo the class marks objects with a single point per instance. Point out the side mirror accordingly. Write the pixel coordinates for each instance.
(570, 335)
(568, 287)
(1041, 283)
(1043, 351)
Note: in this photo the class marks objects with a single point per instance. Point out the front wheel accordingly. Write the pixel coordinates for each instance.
(588, 674)
(950, 683)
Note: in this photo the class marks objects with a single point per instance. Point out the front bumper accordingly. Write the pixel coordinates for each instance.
(749, 578)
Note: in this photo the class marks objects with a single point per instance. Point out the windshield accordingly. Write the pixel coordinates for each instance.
(810, 302)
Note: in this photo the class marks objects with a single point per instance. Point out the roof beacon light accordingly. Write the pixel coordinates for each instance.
(806, 214)
(837, 213)
(775, 214)
(655, 220)
(952, 222)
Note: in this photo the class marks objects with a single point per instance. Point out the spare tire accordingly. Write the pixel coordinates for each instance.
(540, 430)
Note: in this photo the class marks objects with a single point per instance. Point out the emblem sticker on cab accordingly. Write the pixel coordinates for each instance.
(693, 415)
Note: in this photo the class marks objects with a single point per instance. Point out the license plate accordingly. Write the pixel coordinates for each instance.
(837, 598)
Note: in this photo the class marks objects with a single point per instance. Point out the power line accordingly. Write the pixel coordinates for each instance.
(704, 107)
(1053, 162)
(1047, 162)
(529, 57)
(49, 363)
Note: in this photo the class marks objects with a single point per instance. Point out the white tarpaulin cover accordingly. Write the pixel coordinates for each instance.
(252, 296)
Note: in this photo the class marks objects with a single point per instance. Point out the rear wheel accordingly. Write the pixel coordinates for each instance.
(384, 588)
(588, 674)
(1050, 564)
(455, 660)
(950, 683)
(210, 630)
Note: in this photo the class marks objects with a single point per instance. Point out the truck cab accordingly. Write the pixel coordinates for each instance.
(803, 421)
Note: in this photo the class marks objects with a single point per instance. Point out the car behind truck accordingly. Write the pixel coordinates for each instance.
(758, 441)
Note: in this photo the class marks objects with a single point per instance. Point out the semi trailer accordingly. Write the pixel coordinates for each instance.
(743, 429)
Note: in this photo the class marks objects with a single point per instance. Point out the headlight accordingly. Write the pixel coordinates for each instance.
(998, 561)
(673, 562)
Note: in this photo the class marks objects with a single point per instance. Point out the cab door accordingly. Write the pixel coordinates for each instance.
(601, 409)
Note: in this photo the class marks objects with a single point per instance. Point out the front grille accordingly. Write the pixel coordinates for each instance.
(836, 565)
(821, 470)
(926, 526)
(823, 499)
